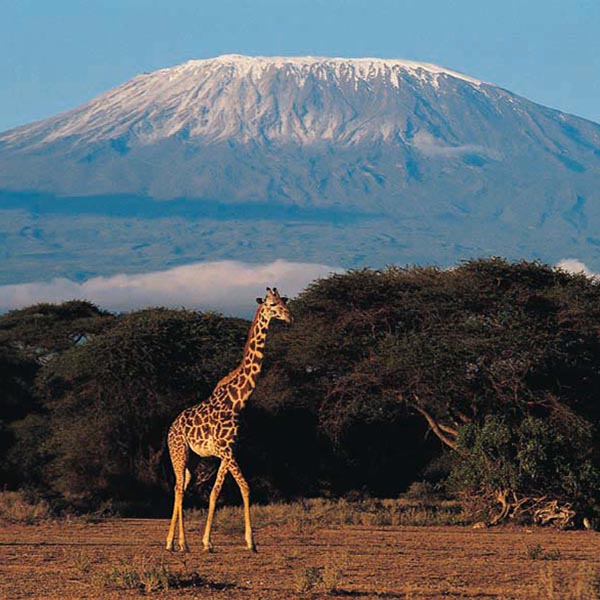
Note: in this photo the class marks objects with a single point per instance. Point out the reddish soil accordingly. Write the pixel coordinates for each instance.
(70, 559)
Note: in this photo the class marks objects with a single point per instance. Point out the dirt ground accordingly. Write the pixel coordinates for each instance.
(72, 559)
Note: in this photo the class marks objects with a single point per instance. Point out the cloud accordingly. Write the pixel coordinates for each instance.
(226, 286)
(574, 265)
(429, 145)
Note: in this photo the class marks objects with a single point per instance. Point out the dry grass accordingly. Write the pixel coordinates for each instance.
(583, 584)
(305, 516)
(325, 578)
(537, 552)
(121, 559)
(146, 575)
(143, 575)
(15, 507)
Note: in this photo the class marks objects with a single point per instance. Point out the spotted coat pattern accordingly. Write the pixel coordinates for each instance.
(210, 428)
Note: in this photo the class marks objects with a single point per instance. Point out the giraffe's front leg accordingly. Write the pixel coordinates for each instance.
(214, 494)
(235, 470)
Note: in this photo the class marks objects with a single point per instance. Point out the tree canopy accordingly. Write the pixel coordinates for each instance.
(499, 361)
(487, 338)
(105, 404)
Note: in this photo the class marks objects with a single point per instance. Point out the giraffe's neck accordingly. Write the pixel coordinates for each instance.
(251, 364)
(242, 380)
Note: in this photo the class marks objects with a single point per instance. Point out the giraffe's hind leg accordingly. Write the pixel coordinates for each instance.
(214, 494)
(179, 451)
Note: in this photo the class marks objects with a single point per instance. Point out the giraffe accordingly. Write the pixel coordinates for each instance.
(210, 428)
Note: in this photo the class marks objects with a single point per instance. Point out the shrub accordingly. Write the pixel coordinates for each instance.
(525, 465)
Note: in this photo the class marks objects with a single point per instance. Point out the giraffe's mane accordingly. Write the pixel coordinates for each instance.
(231, 375)
(234, 372)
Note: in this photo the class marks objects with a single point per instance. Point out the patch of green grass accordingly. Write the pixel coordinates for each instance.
(537, 552)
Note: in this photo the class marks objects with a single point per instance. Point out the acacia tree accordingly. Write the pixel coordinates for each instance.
(523, 346)
(107, 403)
(44, 330)
(366, 440)
(29, 338)
(489, 338)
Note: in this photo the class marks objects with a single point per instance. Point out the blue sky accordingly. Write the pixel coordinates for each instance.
(57, 54)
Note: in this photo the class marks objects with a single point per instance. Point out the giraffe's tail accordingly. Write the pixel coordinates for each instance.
(163, 471)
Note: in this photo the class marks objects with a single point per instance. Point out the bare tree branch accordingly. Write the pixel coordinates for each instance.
(439, 430)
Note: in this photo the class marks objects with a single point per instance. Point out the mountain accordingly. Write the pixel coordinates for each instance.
(343, 161)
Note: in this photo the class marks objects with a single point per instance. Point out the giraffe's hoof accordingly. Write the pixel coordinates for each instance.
(253, 549)
(208, 548)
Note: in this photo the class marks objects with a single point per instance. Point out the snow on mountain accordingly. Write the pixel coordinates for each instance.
(246, 99)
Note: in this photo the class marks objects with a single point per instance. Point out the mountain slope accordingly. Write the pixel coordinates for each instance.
(453, 165)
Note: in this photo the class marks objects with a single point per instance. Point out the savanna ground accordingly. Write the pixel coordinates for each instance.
(310, 550)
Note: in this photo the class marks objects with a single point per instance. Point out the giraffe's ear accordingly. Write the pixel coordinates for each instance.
(259, 300)
(284, 299)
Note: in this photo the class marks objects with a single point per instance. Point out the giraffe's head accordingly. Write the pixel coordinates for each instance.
(274, 306)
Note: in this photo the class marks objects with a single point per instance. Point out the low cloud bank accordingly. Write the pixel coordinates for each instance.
(229, 287)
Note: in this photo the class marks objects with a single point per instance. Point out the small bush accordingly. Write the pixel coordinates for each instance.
(332, 576)
(552, 555)
(534, 551)
(308, 579)
(83, 562)
(537, 552)
(535, 457)
(145, 577)
(323, 578)
(423, 491)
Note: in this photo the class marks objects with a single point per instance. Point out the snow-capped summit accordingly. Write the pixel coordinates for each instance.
(343, 69)
(301, 99)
